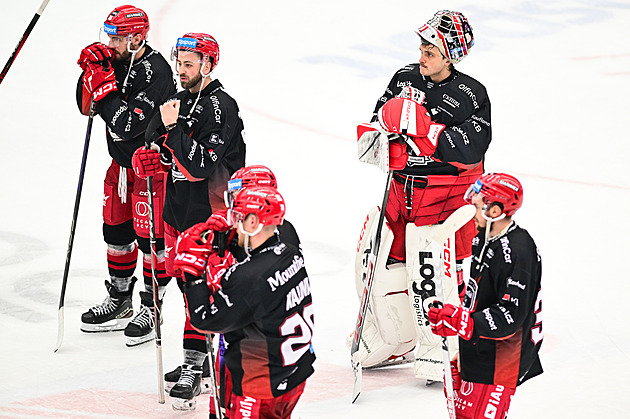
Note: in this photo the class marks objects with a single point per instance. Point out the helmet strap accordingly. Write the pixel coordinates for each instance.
(201, 86)
(247, 235)
(133, 56)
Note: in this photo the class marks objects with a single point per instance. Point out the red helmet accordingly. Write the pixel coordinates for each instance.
(450, 32)
(264, 201)
(202, 43)
(247, 177)
(127, 20)
(499, 188)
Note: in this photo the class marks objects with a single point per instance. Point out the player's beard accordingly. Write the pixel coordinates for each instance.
(192, 82)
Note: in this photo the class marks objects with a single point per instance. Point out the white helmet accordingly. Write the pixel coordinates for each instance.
(450, 32)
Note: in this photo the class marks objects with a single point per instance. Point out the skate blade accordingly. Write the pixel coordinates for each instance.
(139, 340)
(183, 404)
(109, 326)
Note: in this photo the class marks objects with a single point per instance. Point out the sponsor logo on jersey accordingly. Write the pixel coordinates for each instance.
(281, 278)
(507, 252)
(419, 161)
(470, 94)
(511, 282)
(506, 314)
(450, 101)
(489, 319)
(245, 406)
(462, 133)
(217, 109)
(117, 114)
(298, 293)
(493, 401)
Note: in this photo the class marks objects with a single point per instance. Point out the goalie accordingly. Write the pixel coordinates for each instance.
(431, 128)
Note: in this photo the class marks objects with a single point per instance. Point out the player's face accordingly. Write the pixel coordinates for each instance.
(122, 44)
(188, 66)
(433, 64)
(479, 202)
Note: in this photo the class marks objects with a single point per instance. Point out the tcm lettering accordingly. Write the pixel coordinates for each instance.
(281, 278)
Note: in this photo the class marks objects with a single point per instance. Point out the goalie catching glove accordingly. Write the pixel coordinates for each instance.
(451, 320)
(410, 118)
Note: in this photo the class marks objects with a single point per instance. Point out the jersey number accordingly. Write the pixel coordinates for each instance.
(537, 332)
(297, 343)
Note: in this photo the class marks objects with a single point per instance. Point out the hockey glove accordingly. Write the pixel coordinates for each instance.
(408, 117)
(147, 162)
(217, 266)
(192, 248)
(218, 221)
(99, 81)
(398, 155)
(95, 53)
(451, 320)
(457, 378)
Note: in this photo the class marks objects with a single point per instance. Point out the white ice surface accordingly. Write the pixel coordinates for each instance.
(304, 74)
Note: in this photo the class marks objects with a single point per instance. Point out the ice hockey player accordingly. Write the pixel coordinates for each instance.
(198, 138)
(499, 322)
(261, 305)
(435, 157)
(127, 80)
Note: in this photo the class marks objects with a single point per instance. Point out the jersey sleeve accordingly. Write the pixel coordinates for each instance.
(465, 144)
(130, 118)
(516, 291)
(199, 157)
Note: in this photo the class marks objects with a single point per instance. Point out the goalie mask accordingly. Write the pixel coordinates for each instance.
(497, 188)
(450, 32)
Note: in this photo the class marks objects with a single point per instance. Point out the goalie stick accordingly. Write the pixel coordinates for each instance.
(371, 264)
(75, 214)
(432, 276)
(20, 44)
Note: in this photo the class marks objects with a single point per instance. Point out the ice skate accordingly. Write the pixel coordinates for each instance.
(142, 328)
(187, 388)
(170, 378)
(113, 314)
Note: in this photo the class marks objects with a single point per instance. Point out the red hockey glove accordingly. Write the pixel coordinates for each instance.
(95, 53)
(146, 162)
(218, 221)
(457, 378)
(192, 248)
(408, 117)
(398, 155)
(451, 320)
(217, 266)
(99, 81)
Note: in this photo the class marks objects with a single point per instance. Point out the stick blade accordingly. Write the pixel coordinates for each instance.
(60, 320)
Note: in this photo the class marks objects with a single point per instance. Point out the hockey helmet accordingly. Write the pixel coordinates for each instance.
(450, 32)
(127, 20)
(247, 177)
(202, 43)
(498, 188)
(263, 201)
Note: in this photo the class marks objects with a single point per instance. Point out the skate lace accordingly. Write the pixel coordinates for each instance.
(108, 306)
(187, 378)
(144, 318)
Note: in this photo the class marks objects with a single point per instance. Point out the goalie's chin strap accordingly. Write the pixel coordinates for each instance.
(247, 235)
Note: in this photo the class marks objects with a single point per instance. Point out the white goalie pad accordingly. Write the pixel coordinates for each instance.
(430, 265)
(389, 326)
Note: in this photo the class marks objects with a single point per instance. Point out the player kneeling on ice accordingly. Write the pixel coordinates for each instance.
(430, 130)
(499, 322)
(262, 305)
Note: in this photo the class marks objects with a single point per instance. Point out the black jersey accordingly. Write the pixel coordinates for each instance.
(285, 233)
(128, 110)
(204, 150)
(265, 312)
(459, 102)
(504, 296)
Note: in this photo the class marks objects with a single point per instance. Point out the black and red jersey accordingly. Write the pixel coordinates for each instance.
(504, 296)
(265, 312)
(205, 148)
(128, 110)
(459, 102)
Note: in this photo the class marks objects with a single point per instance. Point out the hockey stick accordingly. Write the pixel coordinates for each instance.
(156, 296)
(77, 200)
(17, 49)
(213, 377)
(371, 264)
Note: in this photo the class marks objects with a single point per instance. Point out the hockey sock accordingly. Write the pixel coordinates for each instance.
(121, 262)
(160, 269)
(193, 357)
